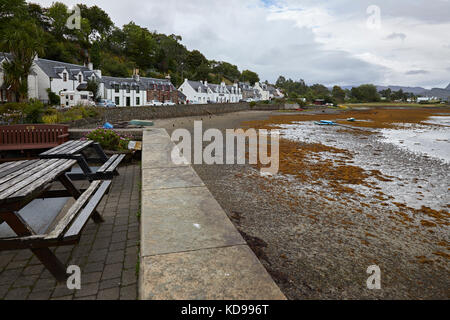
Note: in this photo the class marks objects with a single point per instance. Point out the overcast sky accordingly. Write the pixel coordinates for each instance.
(331, 42)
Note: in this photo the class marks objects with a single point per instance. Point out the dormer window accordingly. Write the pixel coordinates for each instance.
(128, 88)
(116, 88)
(80, 78)
(137, 89)
(65, 77)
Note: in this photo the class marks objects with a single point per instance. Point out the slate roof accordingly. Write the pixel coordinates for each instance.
(143, 83)
(196, 84)
(53, 68)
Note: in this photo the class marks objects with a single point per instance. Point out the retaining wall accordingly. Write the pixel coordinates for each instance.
(190, 250)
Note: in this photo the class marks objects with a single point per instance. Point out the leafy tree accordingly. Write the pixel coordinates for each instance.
(195, 59)
(59, 14)
(93, 86)
(23, 40)
(319, 91)
(249, 76)
(386, 93)
(140, 46)
(100, 23)
(365, 93)
(338, 94)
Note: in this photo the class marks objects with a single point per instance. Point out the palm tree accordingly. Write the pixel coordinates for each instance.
(23, 40)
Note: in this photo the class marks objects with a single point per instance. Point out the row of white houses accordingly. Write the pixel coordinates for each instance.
(135, 91)
(202, 92)
(65, 77)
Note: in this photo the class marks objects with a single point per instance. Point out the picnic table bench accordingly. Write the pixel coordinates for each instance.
(74, 150)
(23, 181)
(32, 136)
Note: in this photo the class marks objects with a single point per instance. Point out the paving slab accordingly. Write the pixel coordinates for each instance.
(184, 219)
(160, 156)
(189, 247)
(232, 273)
(155, 136)
(167, 178)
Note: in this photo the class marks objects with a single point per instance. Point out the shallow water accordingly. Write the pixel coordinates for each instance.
(430, 140)
(418, 156)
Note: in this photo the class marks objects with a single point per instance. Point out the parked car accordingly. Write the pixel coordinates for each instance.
(168, 103)
(155, 103)
(106, 103)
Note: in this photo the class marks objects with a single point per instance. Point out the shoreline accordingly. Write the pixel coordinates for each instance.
(317, 243)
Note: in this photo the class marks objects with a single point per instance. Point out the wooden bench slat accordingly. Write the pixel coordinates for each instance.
(81, 220)
(107, 163)
(63, 150)
(17, 170)
(30, 168)
(7, 165)
(32, 136)
(65, 222)
(55, 149)
(32, 242)
(50, 175)
(116, 163)
(81, 147)
(69, 148)
(37, 180)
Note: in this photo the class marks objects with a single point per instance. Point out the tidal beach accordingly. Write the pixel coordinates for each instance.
(346, 197)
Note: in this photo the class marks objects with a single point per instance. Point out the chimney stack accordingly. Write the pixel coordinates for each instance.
(91, 66)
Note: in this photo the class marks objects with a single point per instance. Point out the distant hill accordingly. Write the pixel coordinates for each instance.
(414, 90)
(435, 92)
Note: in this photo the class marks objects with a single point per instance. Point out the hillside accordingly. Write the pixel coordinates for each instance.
(117, 51)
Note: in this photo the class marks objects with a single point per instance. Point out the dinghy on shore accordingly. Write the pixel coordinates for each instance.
(325, 123)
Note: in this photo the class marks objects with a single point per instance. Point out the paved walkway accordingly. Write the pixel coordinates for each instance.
(107, 254)
(189, 247)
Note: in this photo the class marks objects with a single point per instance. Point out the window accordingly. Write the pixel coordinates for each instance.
(128, 89)
(116, 88)
(138, 101)
(80, 78)
(84, 97)
(117, 101)
(138, 90)
(71, 97)
(65, 77)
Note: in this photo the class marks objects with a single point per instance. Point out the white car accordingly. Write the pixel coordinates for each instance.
(168, 103)
(155, 103)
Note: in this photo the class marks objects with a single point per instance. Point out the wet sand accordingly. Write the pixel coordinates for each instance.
(344, 200)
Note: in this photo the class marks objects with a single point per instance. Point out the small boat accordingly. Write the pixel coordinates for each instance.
(325, 123)
(351, 119)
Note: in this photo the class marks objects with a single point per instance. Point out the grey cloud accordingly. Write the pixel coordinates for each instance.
(396, 35)
(415, 72)
(238, 32)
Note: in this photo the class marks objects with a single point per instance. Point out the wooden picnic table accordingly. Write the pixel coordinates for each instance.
(23, 181)
(75, 149)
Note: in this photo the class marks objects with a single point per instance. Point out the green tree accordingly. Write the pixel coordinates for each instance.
(365, 93)
(249, 76)
(23, 40)
(93, 86)
(338, 94)
(195, 59)
(59, 14)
